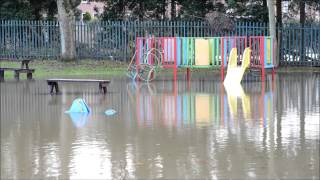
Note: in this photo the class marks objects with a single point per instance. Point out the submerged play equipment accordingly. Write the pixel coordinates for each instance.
(79, 112)
(198, 52)
(110, 112)
(79, 106)
(234, 72)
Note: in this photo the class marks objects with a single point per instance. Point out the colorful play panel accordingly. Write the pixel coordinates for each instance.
(204, 52)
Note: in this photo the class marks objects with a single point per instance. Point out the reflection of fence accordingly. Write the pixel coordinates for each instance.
(184, 109)
(116, 39)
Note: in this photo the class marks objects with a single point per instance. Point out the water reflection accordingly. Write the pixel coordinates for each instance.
(79, 119)
(187, 108)
(90, 160)
(166, 129)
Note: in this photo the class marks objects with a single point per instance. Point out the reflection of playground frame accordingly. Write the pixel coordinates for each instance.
(185, 109)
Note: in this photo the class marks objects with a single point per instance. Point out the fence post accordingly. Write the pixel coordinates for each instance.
(222, 59)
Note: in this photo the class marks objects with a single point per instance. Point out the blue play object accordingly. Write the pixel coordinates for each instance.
(110, 112)
(79, 119)
(79, 106)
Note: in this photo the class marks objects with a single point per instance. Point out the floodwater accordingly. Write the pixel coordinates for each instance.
(172, 130)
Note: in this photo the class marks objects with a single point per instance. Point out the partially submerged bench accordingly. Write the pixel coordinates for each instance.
(53, 83)
(24, 69)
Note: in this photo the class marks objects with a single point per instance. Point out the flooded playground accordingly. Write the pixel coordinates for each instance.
(166, 129)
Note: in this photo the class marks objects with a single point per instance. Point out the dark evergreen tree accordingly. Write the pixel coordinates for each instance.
(134, 9)
(246, 10)
(27, 9)
(194, 10)
(15, 9)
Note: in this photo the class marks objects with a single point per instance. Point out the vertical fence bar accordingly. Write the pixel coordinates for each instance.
(10, 38)
(301, 43)
(1, 40)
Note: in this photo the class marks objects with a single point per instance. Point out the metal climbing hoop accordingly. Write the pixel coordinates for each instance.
(146, 70)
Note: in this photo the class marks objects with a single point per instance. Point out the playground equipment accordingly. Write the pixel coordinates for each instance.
(110, 112)
(191, 52)
(79, 106)
(146, 69)
(79, 112)
(235, 72)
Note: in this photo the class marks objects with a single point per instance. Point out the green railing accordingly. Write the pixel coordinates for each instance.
(116, 39)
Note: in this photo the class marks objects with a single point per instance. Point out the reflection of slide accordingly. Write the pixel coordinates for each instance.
(235, 91)
(235, 72)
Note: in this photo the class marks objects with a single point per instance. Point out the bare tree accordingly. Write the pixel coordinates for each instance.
(279, 12)
(66, 16)
(219, 22)
(272, 24)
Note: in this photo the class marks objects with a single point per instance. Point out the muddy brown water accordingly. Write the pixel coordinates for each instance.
(165, 129)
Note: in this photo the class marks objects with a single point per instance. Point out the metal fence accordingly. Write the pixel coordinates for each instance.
(116, 39)
(299, 45)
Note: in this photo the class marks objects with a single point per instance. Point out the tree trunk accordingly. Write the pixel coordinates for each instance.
(272, 25)
(302, 12)
(279, 12)
(66, 23)
(302, 22)
(164, 4)
(279, 29)
(173, 9)
(141, 12)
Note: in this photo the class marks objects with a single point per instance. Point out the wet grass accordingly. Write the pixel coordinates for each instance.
(88, 67)
(53, 68)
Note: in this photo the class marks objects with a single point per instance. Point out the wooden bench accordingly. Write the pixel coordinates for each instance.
(24, 69)
(53, 83)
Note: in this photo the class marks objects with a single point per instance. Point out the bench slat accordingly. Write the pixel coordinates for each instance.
(17, 69)
(53, 83)
(78, 80)
(9, 69)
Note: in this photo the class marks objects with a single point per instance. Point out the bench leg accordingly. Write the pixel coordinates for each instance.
(24, 63)
(53, 85)
(56, 87)
(103, 88)
(16, 75)
(29, 76)
(1, 75)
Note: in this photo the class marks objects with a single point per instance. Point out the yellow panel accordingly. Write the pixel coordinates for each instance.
(201, 52)
(210, 51)
(268, 51)
(202, 108)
